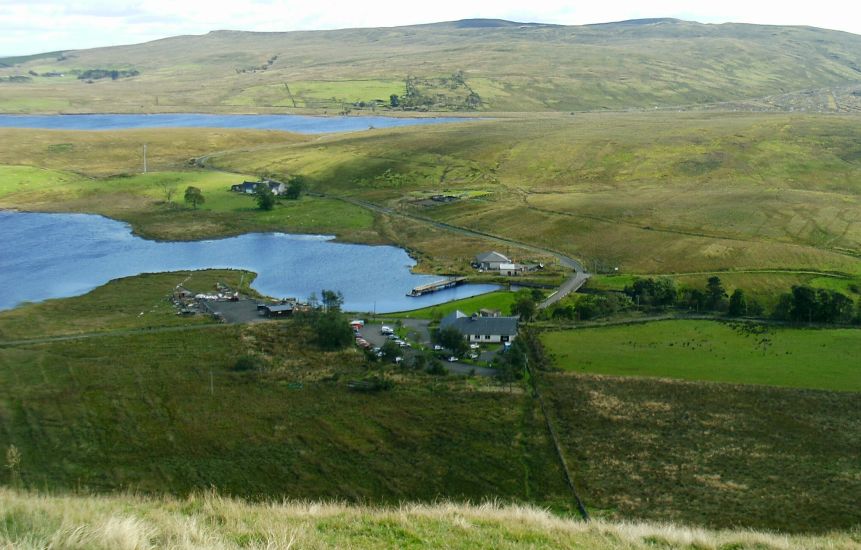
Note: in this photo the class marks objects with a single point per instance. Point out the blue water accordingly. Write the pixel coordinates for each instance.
(289, 123)
(60, 255)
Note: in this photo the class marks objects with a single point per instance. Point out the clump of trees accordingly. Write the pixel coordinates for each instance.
(330, 327)
(113, 74)
(808, 305)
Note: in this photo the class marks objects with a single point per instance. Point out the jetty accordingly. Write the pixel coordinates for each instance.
(437, 285)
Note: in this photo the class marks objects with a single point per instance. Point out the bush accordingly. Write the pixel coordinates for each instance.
(247, 363)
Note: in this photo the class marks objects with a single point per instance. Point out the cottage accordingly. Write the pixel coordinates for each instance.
(490, 261)
(482, 329)
(250, 187)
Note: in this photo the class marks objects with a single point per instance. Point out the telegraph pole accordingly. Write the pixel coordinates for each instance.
(144, 157)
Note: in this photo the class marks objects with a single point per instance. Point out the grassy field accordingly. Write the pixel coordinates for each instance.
(122, 304)
(710, 454)
(503, 67)
(501, 300)
(707, 350)
(124, 522)
(164, 413)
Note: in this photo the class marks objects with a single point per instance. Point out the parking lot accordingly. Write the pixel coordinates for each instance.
(417, 333)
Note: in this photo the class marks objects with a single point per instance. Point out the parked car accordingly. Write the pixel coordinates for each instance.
(386, 330)
(452, 359)
(474, 346)
(437, 347)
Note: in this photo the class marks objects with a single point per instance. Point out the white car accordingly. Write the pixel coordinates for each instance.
(452, 359)
(474, 346)
(437, 347)
(386, 330)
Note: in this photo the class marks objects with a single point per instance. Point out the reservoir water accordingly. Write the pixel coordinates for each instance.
(289, 123)
(60, 255)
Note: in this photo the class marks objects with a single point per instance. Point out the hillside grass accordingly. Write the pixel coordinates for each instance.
(738, 352)
(669, 64)
(710, 454)
(163, 412)
(126, 522)
(647, 193)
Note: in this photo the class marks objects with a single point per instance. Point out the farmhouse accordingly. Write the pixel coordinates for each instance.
(250, 187)
(490, 260)
(482, 329)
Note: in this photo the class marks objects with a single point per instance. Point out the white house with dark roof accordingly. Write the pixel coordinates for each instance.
(489, 330)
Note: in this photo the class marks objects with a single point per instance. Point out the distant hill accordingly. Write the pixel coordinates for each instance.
(470, 65)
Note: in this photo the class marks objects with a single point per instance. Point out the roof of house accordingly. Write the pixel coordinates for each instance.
(280, 307)
(491, 257)
(507, 266)
(503, 326)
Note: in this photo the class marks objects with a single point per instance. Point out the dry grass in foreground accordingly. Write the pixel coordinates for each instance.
(208, 521)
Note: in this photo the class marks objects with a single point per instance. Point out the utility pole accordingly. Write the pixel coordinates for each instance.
(211, 383)
(144, 155)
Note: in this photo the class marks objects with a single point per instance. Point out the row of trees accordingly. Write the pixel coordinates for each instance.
(802, 304)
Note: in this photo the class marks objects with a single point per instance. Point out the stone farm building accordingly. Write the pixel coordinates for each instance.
(479, 329)
(249, 187)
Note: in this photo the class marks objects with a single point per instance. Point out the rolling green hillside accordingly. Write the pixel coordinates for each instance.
(474, 65)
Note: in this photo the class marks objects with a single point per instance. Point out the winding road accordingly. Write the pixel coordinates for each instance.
(573, 284)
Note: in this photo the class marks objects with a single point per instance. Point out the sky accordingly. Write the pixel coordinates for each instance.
(35, 26)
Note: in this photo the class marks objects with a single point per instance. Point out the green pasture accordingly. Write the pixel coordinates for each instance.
(714, 351)
(501, 300)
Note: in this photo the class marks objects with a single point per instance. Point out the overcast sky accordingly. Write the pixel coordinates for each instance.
(33, 26)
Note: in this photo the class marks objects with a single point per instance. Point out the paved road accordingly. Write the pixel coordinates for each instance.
(573, 284)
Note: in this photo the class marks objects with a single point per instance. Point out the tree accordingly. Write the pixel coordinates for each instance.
(525, 307)
(394, 100)
(332, 301)
(737, 303)
(168, 189)
(294, 188)
(332, 331)
(451, 338)
(390, 350)
(194, 196)
(265, 197)
(715, 293)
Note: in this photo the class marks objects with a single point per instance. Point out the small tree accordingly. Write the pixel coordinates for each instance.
(451, 338)
(294, 188)
(168, 189)
(390, 350)
(394, 100)
(737, 303)
(265, 197)
(332, 331)
(332, 301)
(715, 293)
(525, 307)
(194, 196)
